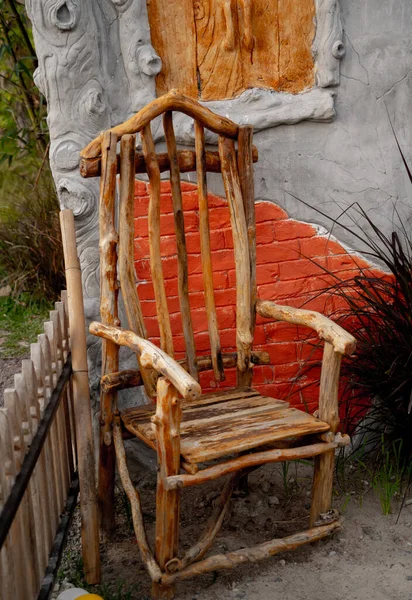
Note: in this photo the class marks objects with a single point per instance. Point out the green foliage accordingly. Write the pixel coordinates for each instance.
(22, 318)
(390, 475)
(30, 244)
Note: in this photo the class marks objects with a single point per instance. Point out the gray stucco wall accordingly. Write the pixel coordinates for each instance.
(355, 158)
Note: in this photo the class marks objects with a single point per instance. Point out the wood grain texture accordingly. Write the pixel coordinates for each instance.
(109, 315)
(81, 402)
(166, 338)
(342, 341)
(212, 323)
(172, 32)
(250, 460)
(238, 557)
(167, 420)
(127, 275)
(186, 159)
(233, 193)
(329, 412)
(229, 46)
(245, 168)
(150, 356)
(175, 101)
(182, 261)
(134, 499)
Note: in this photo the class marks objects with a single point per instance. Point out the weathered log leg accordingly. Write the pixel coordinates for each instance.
(167, 421)
(328, 411)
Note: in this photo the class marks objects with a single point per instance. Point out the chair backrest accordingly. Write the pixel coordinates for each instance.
(234, 160)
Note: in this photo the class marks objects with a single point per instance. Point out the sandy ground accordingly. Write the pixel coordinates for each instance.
(370, 558)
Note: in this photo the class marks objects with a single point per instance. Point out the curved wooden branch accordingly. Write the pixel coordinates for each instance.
(342, 341)
(249, 460)
(238, 557)
(173, 100)
(151, 356)
(214, 524)
(134, 499)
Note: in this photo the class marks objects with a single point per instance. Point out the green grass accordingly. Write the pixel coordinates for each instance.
(21, 320)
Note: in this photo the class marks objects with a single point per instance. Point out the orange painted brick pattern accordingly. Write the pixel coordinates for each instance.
(294, 265)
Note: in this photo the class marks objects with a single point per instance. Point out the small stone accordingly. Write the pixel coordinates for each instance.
(371, 532)
(265, 487)
(409, 577)
(332, 553)
(278, 579)
(273, 500)
(56, 587)
(282, 562)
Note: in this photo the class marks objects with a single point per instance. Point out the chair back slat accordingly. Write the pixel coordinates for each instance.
(152, 165)
(182, 267)
(245, 169)
(233, 192)
(204, 228)
(127, 275)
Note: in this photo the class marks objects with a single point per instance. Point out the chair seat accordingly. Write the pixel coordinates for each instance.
(227, 422)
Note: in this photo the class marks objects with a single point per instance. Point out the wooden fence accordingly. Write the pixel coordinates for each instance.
(38, 454)
(46, 449)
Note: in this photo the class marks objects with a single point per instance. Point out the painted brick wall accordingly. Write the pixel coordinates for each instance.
(290, 257)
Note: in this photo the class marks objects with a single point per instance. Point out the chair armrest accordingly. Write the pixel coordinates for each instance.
(342, 341)
(151, 356)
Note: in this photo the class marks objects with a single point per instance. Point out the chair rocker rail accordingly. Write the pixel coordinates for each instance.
(252, 554)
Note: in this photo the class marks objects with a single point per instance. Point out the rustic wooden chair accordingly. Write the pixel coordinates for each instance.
(237, 429)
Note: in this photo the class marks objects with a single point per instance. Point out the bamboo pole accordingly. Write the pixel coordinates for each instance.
(84, 435)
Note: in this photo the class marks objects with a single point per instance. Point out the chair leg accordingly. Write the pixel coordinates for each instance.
(167, 421)
(167, 535)
(322, 485)
(105, 489)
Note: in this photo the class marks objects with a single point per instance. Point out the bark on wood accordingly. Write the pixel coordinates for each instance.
(134, 499)
(342, 341)
(132, 377)
(238, 557)
(182, 263)
(329, 412)
(109, 316)
(127, 275)
(204, 228)
(81, 401)
(151, 356)
(241, 249)
(245, 168)
(166, 338)
(186, 159)
(214, 524)
(249, 460)
(167, 420)
(173, 100)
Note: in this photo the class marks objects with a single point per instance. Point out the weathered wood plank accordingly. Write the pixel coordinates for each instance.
(182, 261)
(207, 268)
